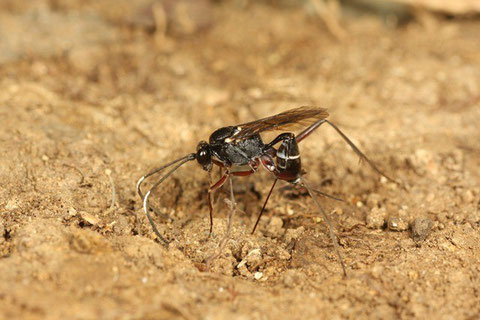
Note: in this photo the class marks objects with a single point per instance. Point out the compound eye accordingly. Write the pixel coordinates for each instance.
(204, 157)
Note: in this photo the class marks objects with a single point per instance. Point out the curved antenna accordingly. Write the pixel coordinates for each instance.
(146, 205)
(330, 227)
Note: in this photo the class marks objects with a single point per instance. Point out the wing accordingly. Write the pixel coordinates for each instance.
(289, 120)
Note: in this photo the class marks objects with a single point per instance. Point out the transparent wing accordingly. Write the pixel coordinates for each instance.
(289, 120)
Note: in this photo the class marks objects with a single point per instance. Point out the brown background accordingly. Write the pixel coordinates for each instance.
(96, 90)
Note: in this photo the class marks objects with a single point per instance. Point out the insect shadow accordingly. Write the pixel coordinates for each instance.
(239, 151)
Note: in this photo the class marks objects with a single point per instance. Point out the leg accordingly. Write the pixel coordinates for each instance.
(220, 183)
(264, 205)
(223, 242)
(279, 138)
(305, 133)
(211, 190)
(233, 207)
(329, 225)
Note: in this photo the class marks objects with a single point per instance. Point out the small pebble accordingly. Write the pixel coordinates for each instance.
(258, 275)
(89, 218)
(12, 204)
(71, 212)
(243, 270)
(376, 218)
(397, 224)
(421, 228)
(254, 258)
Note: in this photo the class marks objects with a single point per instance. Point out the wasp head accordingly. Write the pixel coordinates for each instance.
(204, 155)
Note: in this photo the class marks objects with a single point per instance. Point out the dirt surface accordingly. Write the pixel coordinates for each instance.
(91, 98)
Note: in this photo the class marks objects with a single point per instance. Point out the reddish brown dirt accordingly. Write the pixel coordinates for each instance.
(80, 106)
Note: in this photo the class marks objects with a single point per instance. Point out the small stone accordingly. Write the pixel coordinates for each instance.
(254, 258)
(423, 160)
(376, 218)
(71, 212)
(397, 224)
(258, 275)
(12, 204)
(242, 269)
(89, 218)
(248, 246)
(421, 228)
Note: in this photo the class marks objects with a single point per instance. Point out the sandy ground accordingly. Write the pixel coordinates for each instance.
(91, 99)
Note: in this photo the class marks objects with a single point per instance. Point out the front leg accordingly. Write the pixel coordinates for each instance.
(212, 189)
(222, 181)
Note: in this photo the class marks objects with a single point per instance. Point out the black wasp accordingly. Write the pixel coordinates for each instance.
(239, 151)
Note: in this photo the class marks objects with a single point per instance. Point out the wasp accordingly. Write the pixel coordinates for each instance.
(239, 151)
